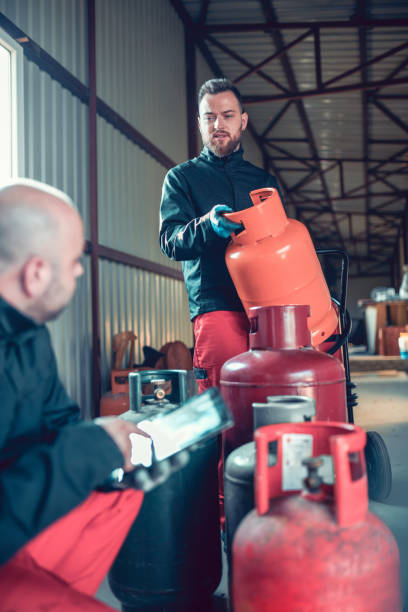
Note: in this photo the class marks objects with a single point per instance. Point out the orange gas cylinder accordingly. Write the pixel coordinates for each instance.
(272, 261)
(319, 550)
(116, 402)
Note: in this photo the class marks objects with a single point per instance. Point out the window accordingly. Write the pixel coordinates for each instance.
(10, 115)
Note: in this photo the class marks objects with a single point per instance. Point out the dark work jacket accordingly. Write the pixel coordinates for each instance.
(50, 460)
(190, 190)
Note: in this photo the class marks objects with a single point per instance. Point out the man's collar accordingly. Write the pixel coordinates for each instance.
(235, 157)
(12, 321)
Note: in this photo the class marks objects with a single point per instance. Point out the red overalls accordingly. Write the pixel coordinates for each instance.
(62, 567)
(218, 335)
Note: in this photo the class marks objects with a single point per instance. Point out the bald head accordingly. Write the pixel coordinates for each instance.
(30, 218)
(40, 230)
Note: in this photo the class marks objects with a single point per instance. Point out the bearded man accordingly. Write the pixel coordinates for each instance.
(194, 231)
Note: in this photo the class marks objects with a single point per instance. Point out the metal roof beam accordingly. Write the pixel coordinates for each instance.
(276, 119)
(393, 141)
(349, 160)
(392, 74)
(286, 139)
(366, 184)
(393, 159)
(277, 37)
(244, 62)
(390, 96)
(351, 237)
(266, 158)
(275, 55)
(388, 184)
(394, 118)
(355, 213)
(361, 10)
(341, 178)
(317, 57)
(369, 272)
(196, 35)
(268, 161)
(310, 177)
(203, 12)
(290, 155)
(389, 203)
(274, 25)
(365, 63)
(403, 194)
(329, 91)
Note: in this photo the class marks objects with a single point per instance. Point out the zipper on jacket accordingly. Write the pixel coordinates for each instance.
(225, 161)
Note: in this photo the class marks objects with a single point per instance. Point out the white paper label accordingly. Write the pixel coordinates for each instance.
(326, 472)
(295, 448)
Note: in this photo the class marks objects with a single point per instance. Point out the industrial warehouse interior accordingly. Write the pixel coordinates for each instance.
(100, 101)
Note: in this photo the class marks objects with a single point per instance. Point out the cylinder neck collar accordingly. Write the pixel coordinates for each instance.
(279, 327)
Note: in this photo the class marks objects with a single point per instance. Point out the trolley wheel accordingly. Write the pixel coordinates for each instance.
(378, 467)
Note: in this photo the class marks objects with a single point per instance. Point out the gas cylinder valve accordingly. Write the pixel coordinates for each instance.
(313, 481)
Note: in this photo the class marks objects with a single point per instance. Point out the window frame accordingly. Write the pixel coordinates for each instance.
(17, 103)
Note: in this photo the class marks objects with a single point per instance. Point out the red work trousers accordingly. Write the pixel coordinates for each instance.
(63, 567)
(218, 335)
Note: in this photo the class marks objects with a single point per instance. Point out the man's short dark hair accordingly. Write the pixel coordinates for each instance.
(215, 86)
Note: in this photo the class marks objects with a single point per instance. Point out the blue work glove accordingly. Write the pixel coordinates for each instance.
(222, 227)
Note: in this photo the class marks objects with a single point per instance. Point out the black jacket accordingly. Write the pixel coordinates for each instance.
(50, 460)
(190, 190)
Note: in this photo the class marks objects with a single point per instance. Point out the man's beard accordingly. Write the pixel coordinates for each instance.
(223, 150)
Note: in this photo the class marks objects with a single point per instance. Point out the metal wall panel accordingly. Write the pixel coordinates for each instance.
(153, 307)
(58, 26)
(129, 193)
(72, 340)
(56, 152)
(140, 69)
(56, 137)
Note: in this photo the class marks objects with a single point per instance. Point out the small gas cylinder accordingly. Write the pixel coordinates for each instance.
(319, 550)
(239, 469)
(280, 361)
(273, 261)
(116, 401)
(171, 558)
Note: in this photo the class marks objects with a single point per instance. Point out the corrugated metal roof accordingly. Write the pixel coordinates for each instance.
(320, 124)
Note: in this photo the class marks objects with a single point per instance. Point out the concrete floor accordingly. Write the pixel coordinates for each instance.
(382, 407)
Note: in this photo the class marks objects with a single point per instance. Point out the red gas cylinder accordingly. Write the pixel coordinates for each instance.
(320, 550)
(280, 361)
(273, 261)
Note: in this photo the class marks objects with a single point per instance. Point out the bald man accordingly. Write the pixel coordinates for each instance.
(58, 537)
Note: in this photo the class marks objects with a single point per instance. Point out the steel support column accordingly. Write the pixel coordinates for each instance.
(93, 202)
(191, 86)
